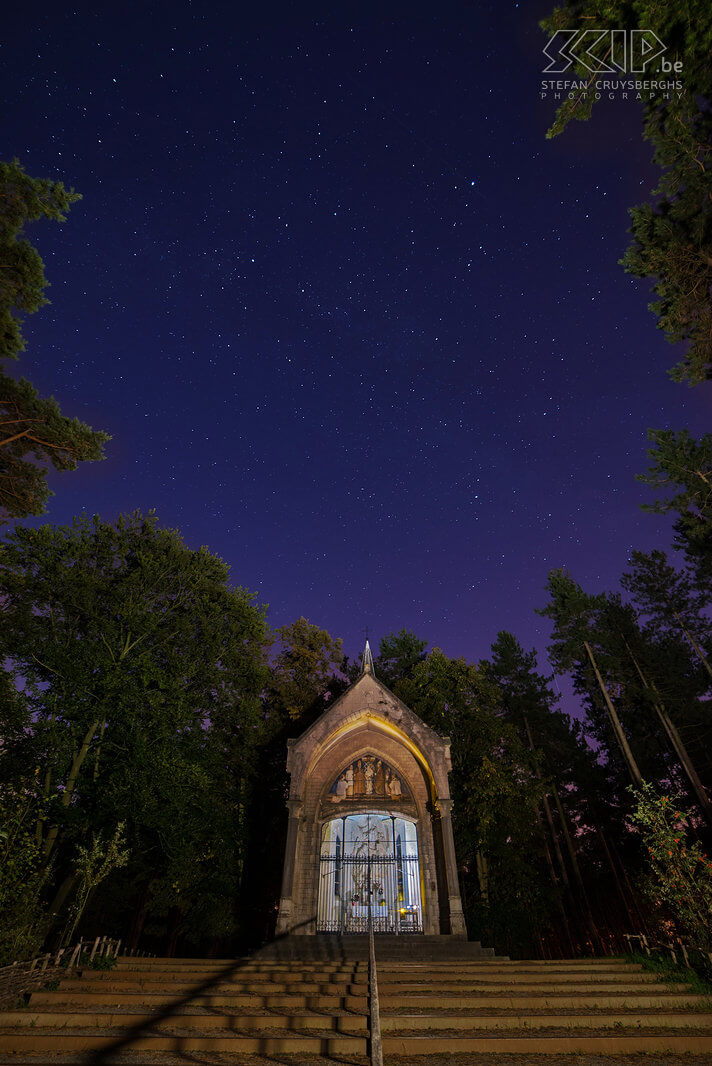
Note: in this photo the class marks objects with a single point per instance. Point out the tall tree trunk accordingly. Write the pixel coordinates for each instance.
(98, 751)
(557, 846)
(615, 722)
(482, 876)
(39, 828)
(616, 878)
(139, 919)
(555, 882)
(58, 902)
(701, 655)
(676, 741)
(173, 932)
(577, 870)
(76, 912)
(631, 891)
(547, 811)
(77, 761)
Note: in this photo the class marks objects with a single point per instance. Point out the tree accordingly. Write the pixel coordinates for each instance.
(601, 636)
(683, 467)
(573, 641)
(93, 865)
(304, 669)
(398, 655)
(143, 667)
(580, 821)
(33, 431)
(672, 235)
(670, 599)
(495, 793)
(679, 873)
(21, 876)
(635, 649)
(305, 675)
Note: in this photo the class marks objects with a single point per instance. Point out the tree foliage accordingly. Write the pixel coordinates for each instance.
(143, 672)
(644, 685)
(398, 655)
(682, 467)
(304, 668)
(21, 872)
(679, 880)
(145, 698)
(34, 434)
(493, 786)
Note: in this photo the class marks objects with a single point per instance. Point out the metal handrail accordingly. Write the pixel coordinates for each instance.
(376, 1046)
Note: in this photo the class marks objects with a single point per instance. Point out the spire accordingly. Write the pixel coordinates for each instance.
(367, 660)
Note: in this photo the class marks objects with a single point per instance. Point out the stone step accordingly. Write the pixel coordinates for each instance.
(632, 1043)
(263, 1043)
(386, 974)
(461, 1004)
(405, 965)
(350, 1023)
(335, 946)
(258, 961)
(113, 1020)
(340, 987)
(296, 972)
(620, 1042)
(154, 1001)
(146, 962)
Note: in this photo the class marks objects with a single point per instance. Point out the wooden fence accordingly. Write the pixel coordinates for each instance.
(22, 977)
(679, 951)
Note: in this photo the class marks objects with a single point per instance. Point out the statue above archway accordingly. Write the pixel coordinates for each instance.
(368, 778)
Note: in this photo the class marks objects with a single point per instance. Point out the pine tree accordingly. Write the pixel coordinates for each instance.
(33, 431)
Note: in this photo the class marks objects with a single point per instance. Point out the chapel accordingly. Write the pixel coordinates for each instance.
(370, 821)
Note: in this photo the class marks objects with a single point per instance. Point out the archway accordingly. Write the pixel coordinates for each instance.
(372, 852)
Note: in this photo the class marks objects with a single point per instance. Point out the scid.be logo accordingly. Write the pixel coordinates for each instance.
(607, 51)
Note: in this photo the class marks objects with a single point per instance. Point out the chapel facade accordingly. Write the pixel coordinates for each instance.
(370, 821)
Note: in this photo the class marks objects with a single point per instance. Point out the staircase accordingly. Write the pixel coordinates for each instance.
(308, 996)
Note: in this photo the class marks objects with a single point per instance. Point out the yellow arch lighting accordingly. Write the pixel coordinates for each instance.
(369, 718)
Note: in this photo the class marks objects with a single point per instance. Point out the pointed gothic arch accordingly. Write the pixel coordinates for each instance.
(370, 726)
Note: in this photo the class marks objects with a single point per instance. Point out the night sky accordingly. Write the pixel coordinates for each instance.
(351, 320)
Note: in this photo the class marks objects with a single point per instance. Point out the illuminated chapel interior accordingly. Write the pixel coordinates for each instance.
(370, 821)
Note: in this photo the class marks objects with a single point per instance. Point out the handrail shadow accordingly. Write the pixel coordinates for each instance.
(100, 1056)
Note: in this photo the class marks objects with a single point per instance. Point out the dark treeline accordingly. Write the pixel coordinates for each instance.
(146, 707)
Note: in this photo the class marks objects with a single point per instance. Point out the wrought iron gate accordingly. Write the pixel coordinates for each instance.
(395, 893)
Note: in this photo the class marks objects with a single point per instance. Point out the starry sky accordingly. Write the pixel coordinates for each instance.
(352, 321)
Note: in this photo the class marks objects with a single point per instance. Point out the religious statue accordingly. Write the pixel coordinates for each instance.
(340, 789)
(367, 777)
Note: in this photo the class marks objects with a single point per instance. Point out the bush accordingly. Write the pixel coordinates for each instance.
(679, 881)
(21, 876)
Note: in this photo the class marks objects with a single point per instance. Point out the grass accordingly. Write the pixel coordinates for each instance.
(99, 962)
(674, 974)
